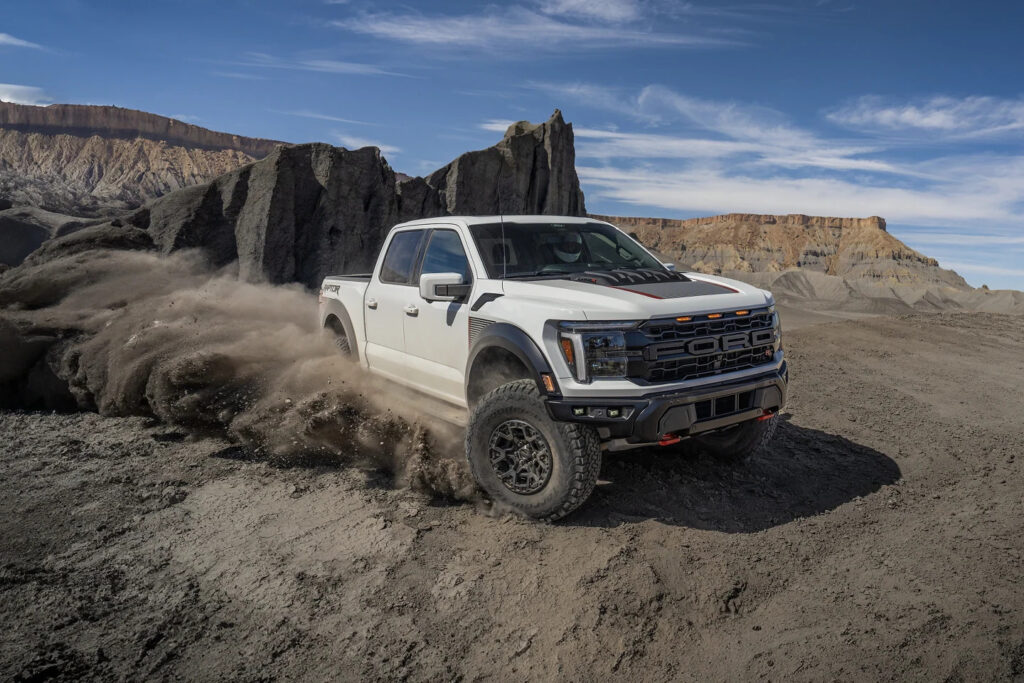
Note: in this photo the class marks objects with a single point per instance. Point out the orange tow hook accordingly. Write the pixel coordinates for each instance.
(767, 414)
(669, 439)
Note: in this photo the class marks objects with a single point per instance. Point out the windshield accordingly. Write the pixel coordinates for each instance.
(532, 249)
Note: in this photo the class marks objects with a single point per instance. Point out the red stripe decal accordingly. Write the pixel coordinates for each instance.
(634, 291)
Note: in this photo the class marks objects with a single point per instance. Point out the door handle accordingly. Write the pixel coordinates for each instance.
(371, 303)
(412, 310)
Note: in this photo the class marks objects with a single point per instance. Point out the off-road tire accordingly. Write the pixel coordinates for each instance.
(337, 333)
(740, 443)
(574, 449)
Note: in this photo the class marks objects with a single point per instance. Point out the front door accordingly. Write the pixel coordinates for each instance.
(437, 336)
(389, 294)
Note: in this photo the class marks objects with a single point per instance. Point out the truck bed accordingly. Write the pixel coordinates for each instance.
(359, 277)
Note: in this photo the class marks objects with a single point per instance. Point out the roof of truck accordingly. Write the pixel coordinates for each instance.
(476, 220)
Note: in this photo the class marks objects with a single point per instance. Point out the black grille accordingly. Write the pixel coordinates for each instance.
(672, 330)
(694, 367)
(667, 358)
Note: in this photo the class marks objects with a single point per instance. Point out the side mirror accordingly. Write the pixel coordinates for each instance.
(670, 266)
(443, 287)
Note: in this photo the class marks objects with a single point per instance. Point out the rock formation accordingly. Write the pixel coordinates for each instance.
(749, 243)
(92, 160)
(23, 229)
(311, 210)
(531, 171)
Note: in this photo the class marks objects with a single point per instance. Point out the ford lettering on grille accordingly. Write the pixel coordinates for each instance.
(703, 346)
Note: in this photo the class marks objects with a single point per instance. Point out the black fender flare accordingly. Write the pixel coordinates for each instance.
(333, 307)
(512, 339)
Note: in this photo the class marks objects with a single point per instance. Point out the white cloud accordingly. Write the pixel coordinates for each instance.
(736, 120)
(305, 113)
(502, 31)
(714, 191)
(747, 134)
(966, 239)
(611, 144)
(23, 94)
(982, 268)
(966, 117)
(353, 142)
(598, 96)
(497, 125)
(602, 10)
(239, 75)
(335, 67)
(11, 41)
(266, 61)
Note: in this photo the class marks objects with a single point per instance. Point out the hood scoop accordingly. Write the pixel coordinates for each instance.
(623, 277)
(651, 283)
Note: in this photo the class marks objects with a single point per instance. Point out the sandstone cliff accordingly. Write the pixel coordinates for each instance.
(92, 160)
(750, 243)
(82, 120)
(311, 210)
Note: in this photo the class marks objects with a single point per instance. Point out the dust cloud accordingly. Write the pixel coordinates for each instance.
(167, 336)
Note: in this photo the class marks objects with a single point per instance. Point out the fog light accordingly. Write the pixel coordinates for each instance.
(578, 412)
(614, 412)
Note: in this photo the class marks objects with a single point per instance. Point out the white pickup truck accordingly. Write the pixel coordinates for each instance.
(559, 337)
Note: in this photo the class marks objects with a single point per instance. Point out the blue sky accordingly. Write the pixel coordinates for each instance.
(913, 111)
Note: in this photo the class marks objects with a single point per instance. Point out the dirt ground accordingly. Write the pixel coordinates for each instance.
(879, 538)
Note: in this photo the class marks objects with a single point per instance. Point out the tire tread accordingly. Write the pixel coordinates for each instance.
(582, 442)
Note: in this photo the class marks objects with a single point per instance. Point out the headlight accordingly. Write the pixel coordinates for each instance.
(595, 350)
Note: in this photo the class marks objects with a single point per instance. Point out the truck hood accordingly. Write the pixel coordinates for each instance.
(596, 301)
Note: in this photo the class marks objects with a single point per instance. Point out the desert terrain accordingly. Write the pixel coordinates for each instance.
(199, 487)
(878, 538)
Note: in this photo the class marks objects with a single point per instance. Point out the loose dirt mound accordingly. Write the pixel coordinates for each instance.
(133, 333)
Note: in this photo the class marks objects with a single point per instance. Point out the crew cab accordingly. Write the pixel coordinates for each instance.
(557, 338)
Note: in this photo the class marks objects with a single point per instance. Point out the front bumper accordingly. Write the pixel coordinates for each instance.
(647, 418)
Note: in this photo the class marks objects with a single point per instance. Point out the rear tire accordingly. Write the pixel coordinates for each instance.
(740, 443)
(525, 460)
(339, 337)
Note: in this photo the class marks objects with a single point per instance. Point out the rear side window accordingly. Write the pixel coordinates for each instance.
(401, 257)
(445, 254)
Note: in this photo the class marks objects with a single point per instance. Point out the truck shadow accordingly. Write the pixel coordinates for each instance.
(804, 472)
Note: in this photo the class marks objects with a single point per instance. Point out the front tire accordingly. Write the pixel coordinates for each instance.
(740, 443)
(525, 460)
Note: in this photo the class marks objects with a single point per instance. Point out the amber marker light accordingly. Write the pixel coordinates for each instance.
(742, 312)
(567, 350)
(684, 319)
(713, 316)
(549, 383)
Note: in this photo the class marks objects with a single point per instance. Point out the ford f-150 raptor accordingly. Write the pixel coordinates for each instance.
(559, 337)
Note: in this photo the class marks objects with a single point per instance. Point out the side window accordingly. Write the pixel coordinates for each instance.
(400, 259)
(445, 255)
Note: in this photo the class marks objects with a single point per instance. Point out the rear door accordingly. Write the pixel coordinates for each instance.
(391, 290)
(437, 335)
